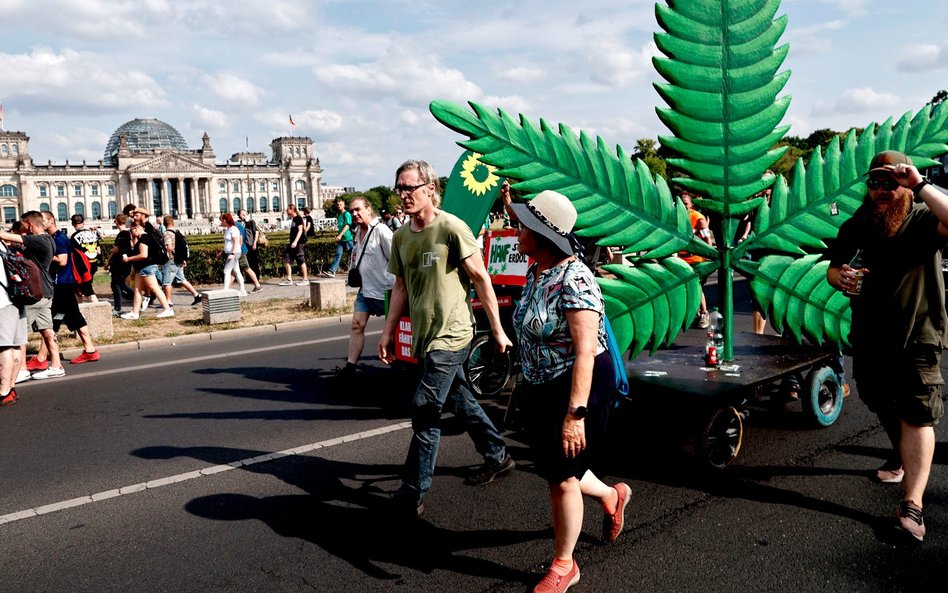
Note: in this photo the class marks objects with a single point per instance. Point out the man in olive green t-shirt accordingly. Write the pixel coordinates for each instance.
(435, 259)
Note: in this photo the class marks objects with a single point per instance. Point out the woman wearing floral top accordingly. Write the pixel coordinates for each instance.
(568, 376)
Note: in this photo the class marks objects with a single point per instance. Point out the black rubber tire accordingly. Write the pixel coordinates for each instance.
(488, 371)
(721, 437)
(822, 398)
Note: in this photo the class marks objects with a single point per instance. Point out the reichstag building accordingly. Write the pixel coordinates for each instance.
(148, 163)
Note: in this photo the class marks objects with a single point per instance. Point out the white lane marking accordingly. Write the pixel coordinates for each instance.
(158, 365)
(193, 475)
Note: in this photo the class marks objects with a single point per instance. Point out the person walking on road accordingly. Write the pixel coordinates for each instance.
(569, 379)
(119, 269)
(343, 237)
(12, 337)
(434, 261)
(145, 265)
(899, 326)
(233, 242)
(39, 247)
(251, 236)
(172, 273)
(294, 249)
(371, 254)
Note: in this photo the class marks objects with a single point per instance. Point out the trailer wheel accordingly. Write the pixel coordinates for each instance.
(822, 399)
(487, 370)
(721, 437)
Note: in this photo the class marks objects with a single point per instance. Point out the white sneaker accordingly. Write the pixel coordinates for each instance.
(145, 301)
(169, 312)
(286, 283)
(50, 373)
(303, 283)
(23, 375)
(130, 315)
(242, 293)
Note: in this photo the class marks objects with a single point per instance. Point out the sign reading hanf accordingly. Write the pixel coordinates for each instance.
(502, 257)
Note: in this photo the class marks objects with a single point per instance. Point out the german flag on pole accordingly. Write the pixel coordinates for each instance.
(292, 123)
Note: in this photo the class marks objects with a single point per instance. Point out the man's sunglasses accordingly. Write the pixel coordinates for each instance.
(886, 184)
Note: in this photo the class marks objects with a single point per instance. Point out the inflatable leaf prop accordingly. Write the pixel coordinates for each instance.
(721, 69)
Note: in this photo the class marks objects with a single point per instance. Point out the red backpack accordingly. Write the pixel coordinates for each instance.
(81, 269)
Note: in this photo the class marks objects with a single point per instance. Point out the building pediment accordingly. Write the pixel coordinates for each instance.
(169, 163)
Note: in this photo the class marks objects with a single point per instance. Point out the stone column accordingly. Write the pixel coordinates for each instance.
(146, 196)
(180, 196)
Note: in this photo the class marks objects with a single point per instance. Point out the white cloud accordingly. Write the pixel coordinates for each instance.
(924, 58)
(160, 19)
(856, 101)
(208, 118)
(81, 144)
(615, 65)
(67, 80)
(513, 104)
(234, 89)
(522, 74)
(407, 76)
(320, 120)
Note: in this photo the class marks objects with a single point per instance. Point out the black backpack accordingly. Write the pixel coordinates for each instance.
(181, 250)
(160, 255)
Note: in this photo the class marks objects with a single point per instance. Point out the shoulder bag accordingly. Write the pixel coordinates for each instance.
(355, 276)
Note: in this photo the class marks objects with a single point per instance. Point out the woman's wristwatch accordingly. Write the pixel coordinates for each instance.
(578, 411)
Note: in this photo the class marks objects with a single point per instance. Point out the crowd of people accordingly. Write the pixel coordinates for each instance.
(429, 259)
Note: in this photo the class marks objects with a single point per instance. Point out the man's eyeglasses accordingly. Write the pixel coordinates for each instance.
(886, 184)
(407, 189)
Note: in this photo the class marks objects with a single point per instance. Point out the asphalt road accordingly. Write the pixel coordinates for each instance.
(115, 478)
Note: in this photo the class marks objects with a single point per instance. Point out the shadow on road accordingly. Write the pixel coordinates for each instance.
(356, 522)
(375, 392)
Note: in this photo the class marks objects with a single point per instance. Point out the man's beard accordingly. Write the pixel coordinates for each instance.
(885, 219)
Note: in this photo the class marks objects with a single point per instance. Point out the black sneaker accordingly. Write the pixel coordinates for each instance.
(196, 301)
(490, 471)
(343, 373)
(407, 504)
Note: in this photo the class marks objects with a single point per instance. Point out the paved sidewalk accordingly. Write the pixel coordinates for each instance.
(182, 299)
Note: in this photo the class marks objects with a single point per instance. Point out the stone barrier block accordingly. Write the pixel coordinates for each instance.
(220, 306)
(99, 317)
(327, 293)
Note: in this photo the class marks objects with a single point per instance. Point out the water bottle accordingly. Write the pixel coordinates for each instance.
(716, 329)
(857, 265)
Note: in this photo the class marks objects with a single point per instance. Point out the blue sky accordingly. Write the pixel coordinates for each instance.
(357, 76)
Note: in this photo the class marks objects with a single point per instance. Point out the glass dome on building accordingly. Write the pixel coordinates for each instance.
(145, 134)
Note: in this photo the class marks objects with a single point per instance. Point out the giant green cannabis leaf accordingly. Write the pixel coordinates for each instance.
(720, 64)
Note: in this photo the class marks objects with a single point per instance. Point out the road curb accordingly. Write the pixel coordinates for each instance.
(255, 330)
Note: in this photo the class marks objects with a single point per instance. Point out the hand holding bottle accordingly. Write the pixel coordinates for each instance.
(851, 275)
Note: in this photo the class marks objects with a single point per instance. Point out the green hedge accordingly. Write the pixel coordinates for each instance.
(206, 266)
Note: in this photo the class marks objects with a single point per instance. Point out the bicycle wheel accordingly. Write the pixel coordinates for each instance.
(487, 370)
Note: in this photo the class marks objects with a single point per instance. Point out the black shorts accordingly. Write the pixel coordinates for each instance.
(545, 407)
(294, 254)
(66, 308)
(906, 384)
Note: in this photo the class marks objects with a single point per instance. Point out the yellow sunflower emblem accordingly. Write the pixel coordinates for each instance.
(478, 177)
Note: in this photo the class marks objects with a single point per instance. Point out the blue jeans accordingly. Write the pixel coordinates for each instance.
(341, 246)
(443, 378)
